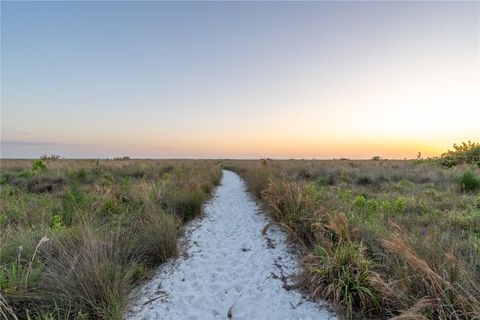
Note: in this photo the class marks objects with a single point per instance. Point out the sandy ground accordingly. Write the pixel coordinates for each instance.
(229, 269)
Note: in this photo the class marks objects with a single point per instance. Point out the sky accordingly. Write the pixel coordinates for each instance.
(238, 79)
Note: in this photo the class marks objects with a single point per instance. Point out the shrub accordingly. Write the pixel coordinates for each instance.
(468, 181)
(122, 158)
(50, 157)
(467, 152)
(38, 165)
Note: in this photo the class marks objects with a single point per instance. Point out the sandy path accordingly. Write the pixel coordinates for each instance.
(228, 268)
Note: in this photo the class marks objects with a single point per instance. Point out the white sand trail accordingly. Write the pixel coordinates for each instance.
(229, 268)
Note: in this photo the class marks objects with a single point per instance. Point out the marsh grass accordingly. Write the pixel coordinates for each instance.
(381, 239)
(75, 244)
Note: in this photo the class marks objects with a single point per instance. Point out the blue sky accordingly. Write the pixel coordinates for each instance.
(241, 80)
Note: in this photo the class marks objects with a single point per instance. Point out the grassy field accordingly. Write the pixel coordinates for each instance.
(77, 235)
(380, 239)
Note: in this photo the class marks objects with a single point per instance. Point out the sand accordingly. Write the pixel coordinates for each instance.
(228, 268)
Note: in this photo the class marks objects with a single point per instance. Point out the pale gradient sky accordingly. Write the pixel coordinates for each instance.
(238, 80)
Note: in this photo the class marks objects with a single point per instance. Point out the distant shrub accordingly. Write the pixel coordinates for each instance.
(50, 157)
(467, 152)
(38, 165)
(468, 181)
(376, 158)
(122, 158)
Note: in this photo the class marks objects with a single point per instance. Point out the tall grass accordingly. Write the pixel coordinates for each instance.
(381, 239)
(78, 235)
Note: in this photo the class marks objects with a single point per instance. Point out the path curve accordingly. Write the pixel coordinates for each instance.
(229, 268)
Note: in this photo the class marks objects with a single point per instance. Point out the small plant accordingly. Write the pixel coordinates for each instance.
(400, 204)
(38, 165)
(468, 181)
(376, 158)
(57, 224)
(385, 205)
(360, 201)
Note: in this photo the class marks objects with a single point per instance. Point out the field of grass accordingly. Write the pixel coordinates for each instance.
(77, 235)
(381, 239)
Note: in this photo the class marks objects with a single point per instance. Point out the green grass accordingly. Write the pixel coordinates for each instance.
(381, 238)
(78, 235)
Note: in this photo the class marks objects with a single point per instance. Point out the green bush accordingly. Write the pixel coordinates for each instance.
(467, 152)
(38, 165)
(468, 181)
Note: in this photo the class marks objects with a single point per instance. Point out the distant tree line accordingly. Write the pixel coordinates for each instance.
(466, 152)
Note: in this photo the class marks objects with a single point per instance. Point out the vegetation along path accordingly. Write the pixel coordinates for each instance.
(233, 267)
